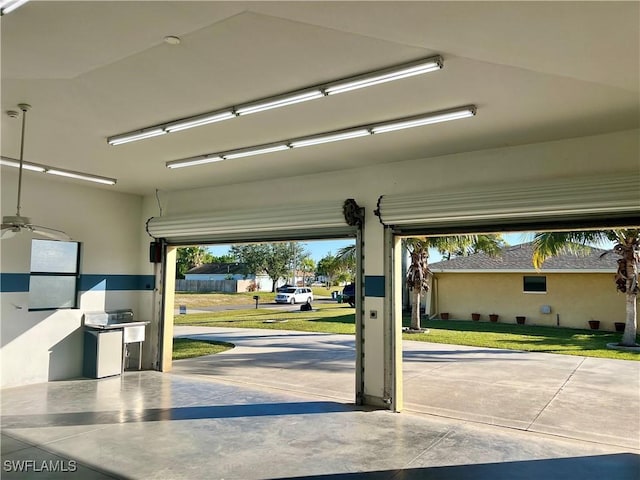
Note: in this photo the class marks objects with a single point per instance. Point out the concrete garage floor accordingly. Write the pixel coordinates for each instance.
(243, 414)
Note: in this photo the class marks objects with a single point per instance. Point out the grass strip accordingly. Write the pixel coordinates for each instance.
(188, 348)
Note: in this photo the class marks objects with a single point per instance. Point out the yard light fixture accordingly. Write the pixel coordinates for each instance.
(333, 136)
(397, 72)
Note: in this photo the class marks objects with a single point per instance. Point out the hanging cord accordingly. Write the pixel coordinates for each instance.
(159, 204)
(24, 107)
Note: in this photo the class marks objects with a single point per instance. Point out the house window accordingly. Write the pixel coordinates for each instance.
(536, 284)
(54, 274)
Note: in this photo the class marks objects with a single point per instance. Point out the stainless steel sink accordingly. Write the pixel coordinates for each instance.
(122, 319)
(132, 332)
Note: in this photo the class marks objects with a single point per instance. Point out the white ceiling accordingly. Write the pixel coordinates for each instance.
(537, 71)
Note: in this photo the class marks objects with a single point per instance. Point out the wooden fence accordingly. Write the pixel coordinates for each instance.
(206, 286)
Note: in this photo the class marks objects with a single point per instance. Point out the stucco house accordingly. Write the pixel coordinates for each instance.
(568, 291)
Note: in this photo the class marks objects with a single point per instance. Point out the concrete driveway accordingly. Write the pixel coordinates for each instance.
(590, 399)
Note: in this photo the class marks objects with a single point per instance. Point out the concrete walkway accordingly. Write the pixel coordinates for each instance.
(591, 399)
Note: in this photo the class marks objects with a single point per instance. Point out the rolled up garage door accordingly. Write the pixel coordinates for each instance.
(576, 202)
(288, 222)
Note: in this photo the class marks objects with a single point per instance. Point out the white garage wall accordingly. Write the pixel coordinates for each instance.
(610, 153)
(48, 345)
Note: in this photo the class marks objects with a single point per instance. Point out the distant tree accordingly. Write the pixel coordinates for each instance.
(190, 257)
(274, 259)
(308, 266)
(226, 258)
(347, 257)
(333, 268)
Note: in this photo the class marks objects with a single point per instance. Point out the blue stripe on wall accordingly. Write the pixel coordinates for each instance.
(14, 282)
(374, 286)
(116, 282)
(19, 282)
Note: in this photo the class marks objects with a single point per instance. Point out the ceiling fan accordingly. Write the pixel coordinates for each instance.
(17, 223)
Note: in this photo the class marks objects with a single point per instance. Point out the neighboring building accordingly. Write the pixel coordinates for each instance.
(568, 291)
(230, 271)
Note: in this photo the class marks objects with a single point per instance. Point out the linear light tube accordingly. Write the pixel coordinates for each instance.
(426, 120)
(354, 132)
(280, 102)
(389, 74)
(26, 166)
(8, 6)
(82, 176)
(190, 162)
(255, 151)
(199, 121)
(138, 135)
(35, 167)
(306, 142)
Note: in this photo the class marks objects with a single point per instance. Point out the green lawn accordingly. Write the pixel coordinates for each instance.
(188, 348)
(332, 318)
(339, 318)
(195, 299)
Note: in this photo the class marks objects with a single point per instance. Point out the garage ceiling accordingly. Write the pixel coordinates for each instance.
(537, 71)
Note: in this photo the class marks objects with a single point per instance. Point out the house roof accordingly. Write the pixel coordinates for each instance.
(219, 269)
(519, 258)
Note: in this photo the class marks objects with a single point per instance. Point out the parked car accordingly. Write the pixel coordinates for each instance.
(295, 295)
(284, 287)
(349, 294)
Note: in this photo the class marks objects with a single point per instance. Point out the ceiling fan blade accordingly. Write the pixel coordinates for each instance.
(51, 233)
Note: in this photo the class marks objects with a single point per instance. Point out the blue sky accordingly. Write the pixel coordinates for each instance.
(320, 248)
(317, 249)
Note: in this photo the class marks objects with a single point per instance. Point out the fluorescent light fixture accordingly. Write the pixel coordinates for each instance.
(279, 102)
(387, 75)
(336, 135)
(326, 138)
(134, 136)
(8, 6)
(35, 167)
(192, 122)
(10, 162)
(397, 72)
(190, 162)
(254, 151)
(425, 120)
(81, 176)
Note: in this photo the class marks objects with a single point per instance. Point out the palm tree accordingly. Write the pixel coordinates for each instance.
(455, 245)
(627, 246)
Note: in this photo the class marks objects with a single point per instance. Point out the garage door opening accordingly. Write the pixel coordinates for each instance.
(508, 339)
(279, 304)
(281, 225)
